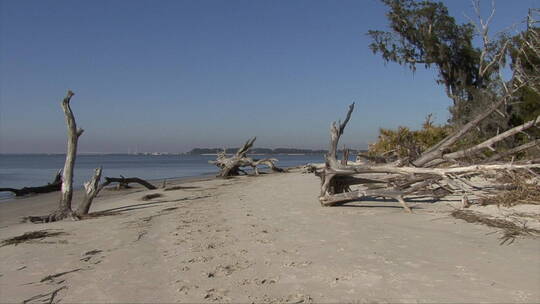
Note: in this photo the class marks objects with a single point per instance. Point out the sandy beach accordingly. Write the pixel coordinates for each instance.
(261, 239)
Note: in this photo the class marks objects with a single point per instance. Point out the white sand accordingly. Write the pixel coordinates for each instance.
(263, 239)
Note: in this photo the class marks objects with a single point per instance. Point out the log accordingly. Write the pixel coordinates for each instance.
(526, 146)
(399, 181)
(126, 181)
(344, 197)
(232, 166)
(438, 150)
(351, 170)
(488, 144)
(55, 185)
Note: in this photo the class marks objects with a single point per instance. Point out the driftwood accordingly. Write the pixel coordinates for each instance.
(487, 144)
(521, 148)
(64, 207)
(396, 181)
(55, 185)
(91, 190)
(92, 187)
(123, 182)
(437, 151)
(232, 166)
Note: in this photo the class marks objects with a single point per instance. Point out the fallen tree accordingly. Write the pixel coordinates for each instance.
(394, 180)
(55, 185)
(232, 166)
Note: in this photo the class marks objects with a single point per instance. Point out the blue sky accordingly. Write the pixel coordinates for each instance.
(173, 75)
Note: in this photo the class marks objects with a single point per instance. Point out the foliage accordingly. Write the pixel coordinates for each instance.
(404, 143)
(525, 55)
(424, 33)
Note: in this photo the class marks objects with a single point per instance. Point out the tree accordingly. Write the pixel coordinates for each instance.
(423, 33)
(64, 208)
(525, 55)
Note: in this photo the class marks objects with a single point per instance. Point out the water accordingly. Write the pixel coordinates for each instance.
(20, 170)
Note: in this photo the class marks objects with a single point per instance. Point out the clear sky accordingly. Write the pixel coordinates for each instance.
(173, 75)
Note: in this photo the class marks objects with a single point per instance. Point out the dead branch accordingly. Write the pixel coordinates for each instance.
(55, 185)
(232, 166)
(91, 190)
(439, 149)
(488, 144)
(397, 181)
(125, 181)
(526, 146)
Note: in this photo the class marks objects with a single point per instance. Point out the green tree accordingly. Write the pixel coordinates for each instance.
(424, 33)
(525, 55)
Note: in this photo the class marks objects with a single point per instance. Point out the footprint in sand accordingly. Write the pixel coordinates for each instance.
(200, 259)
(298, 264)
(257, 282)
(227, 270)
(216, 295)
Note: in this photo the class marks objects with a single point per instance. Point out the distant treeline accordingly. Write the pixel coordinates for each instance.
(198, 151)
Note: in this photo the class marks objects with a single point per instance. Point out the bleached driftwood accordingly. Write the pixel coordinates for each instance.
(123, 182)
(396, 181)
(92, 187)
(232, 166)
(64, 207)
(91, 190)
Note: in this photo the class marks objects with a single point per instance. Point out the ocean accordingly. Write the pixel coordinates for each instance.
(20, 170)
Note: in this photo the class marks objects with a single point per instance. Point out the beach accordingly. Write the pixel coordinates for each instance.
(260, 239)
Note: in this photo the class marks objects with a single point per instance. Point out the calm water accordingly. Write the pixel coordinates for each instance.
(17, 171)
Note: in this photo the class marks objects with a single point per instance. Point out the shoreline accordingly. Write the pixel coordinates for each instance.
(41, 204)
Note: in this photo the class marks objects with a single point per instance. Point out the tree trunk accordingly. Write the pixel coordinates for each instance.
(91, 190)
(64, 208)
(488, 144)
(526, 146)
(438, 150)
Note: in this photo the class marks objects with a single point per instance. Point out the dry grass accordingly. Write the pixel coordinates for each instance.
(525, 190)
(30, 236)
(510, 230)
